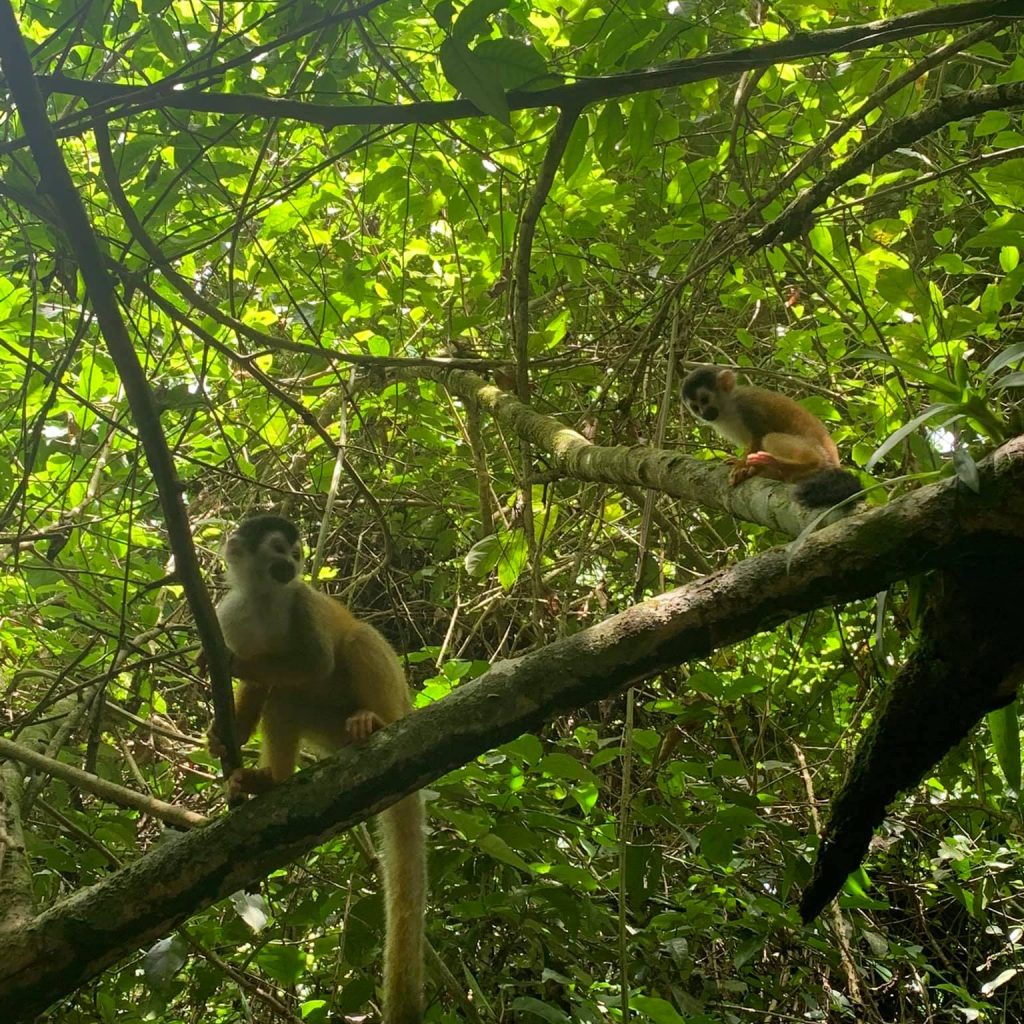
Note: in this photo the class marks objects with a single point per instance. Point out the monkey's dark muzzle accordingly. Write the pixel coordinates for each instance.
(282, 571)
(709, 414)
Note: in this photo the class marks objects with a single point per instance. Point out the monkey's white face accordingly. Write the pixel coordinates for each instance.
(704, 403)
(272, 562)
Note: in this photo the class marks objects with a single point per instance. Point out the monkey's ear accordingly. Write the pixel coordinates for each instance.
(726, 380)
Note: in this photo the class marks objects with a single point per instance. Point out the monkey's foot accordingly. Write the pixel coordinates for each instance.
(251, 781)
(761, 459)
(740, 471)
(752, 464)
(362, 724)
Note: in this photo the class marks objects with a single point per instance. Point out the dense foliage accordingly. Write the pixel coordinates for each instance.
(658, 840)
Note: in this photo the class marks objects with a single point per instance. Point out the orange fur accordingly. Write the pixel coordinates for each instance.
(780, 438)
(310, 671)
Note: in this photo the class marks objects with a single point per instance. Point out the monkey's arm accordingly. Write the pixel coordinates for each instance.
(295, 668)
(377, 681)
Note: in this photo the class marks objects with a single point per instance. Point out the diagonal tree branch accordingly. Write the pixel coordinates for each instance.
(174, 814)
(844, 39)
(795, 218)
(56, 181)
(932, 527)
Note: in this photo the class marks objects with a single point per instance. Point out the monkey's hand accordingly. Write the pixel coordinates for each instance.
(361, 724)
(203, 666)
(214, 744)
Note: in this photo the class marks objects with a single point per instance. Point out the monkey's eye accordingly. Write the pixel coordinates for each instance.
(278, 546)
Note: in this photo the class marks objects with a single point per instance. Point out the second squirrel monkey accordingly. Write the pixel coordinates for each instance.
(309, 670)
(781, 439)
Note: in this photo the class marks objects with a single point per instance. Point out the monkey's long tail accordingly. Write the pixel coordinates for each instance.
(826, 488)
(403, 858)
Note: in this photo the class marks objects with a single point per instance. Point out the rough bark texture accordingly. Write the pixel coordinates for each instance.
(965, 665)
(705, 483)
(75, 940)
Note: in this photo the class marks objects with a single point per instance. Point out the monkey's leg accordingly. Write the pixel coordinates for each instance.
(249, 701)
(375, 676)
(282, 730)
(249, 698)
(782, 457)
(279, 752)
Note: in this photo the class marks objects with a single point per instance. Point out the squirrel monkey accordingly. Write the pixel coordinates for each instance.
(781, 440)
(310, 670)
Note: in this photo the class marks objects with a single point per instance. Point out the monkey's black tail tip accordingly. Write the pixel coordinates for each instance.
(826, 488)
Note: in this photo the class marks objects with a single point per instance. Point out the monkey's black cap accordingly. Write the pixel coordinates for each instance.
(703, 377)
(252, 530)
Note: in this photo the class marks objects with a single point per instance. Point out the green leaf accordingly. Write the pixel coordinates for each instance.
(483, 556)
(966, 470)
(1004, 726)
(608, 132)
(991, 122)
(527, 1004)
(565, 766)
(284, 963)
(1006, 230)
(164, 38)
(1011, 380)
(517, 64)
(906, 430)
(716, 841)
(478, 80)
(659, 1010)
(527, 748)
(497, 848)
(473, 18)
(575, 147)
(1009, 355)
(443, 13)
(512, 558)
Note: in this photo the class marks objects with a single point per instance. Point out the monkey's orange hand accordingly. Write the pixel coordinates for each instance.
(203, 666)
(361, 724)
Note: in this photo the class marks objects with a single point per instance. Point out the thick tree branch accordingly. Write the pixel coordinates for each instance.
(796, 217)
(76, 939)
(56, 181)
(571, 454)
(844, 39)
